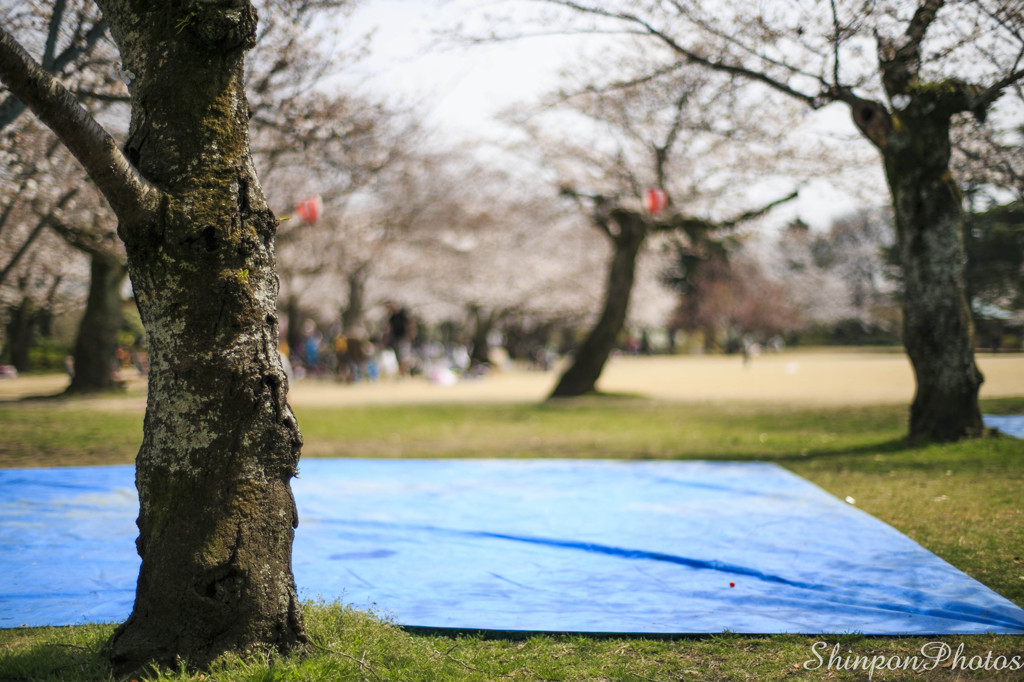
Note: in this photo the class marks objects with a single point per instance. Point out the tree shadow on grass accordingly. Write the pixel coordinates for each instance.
(886, 447)
(595, 398)
(891, 446)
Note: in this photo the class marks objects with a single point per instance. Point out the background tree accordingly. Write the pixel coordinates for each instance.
(990, 158)
(630, 136)
(731, 301)
(312, 138)
(37, 272)
(220, 443)
(934, 60)
(76, 47)
(294, 125)
(995, 270)
(475, 247)
(46, 283)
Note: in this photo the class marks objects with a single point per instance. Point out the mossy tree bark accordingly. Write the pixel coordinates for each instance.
(938, 331)
(627, 231)
(914, 142)
(220, 444)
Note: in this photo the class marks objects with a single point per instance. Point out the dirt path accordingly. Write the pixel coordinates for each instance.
(797, 377)
(802, 377)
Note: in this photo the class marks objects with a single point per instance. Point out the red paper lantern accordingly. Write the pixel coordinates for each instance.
(655, 201)
(309, 209)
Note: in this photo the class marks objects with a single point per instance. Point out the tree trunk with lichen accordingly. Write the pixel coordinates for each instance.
(220, 443)
(590, 358)
(938, 331)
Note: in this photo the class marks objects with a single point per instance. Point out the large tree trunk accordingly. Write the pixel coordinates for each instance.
(21, 329)
(938, 330)
(220, 443)
(582, 375)
(96, 343)
(352, 314)
(480, 352)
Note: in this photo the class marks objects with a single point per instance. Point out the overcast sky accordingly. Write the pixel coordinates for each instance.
(462, 89)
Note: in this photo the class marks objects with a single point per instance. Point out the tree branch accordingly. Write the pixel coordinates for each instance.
(94, 242)
(695, 227)
(735, 69)
(901, 64)
(12, 107)
(599, 216)
(56, 18)
(661, 152)
(870, 117)
(836, 42)
(129, 194)
(758, 212)
(43, 222)
(918, 28)
(980, 103)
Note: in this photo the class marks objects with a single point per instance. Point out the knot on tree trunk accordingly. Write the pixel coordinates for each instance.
(222, 25)
(873, 121)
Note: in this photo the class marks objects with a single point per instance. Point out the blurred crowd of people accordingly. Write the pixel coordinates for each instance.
(355, 356)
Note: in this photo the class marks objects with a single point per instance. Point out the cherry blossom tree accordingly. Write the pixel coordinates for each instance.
(906, 69)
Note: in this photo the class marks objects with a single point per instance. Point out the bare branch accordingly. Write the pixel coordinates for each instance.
(661, 153)
(901, 64)
(760, 56)
(918, 28)
(758, 212)
(692, 226)
(45, 221)
(815, 102)
(836, 42)
(980, 103)
(12, 107)
(599, 214)
(53, 33)
(619, 84)
(128, 193)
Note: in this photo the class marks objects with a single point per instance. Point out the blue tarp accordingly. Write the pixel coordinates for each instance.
(526, 545)
(1011, 425)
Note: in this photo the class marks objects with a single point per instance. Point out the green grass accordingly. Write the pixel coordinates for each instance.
(962, 501)
(44, 436)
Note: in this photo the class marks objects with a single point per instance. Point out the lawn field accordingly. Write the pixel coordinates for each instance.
(834, 418)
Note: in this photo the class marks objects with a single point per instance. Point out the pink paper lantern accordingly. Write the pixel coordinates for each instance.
(655, 201)
(309, 209)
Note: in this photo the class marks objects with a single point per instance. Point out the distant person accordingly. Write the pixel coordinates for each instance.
(399, 335)
(341, 357)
